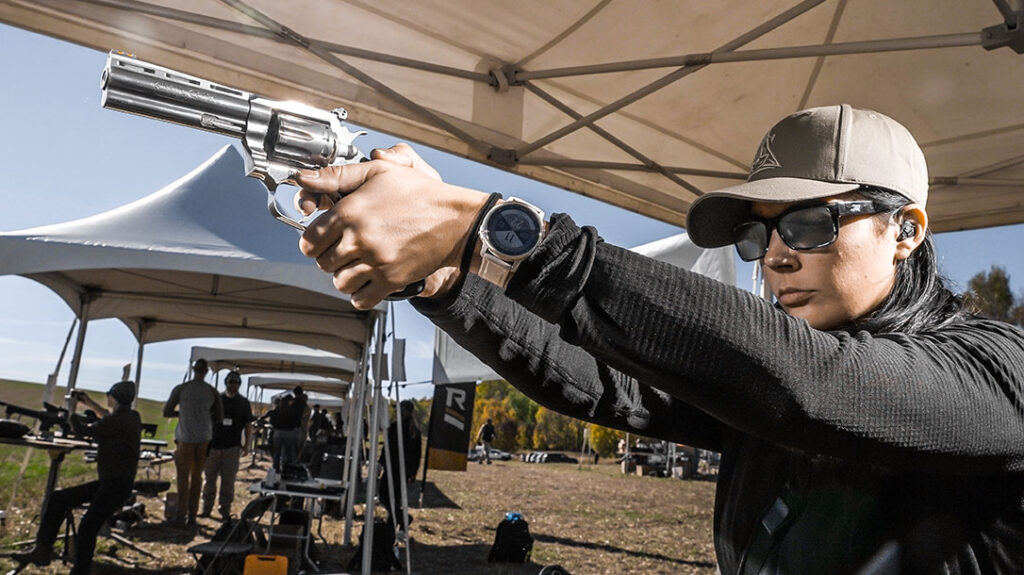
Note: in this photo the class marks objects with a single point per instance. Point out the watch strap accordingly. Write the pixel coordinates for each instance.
(496, 270)
(474, 232)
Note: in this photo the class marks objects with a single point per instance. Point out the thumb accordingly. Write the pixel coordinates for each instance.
(320, 189)
(337, 179)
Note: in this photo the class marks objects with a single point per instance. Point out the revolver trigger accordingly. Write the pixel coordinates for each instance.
(280, 216)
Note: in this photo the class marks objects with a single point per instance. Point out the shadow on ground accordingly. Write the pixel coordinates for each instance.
(433, 497)
(613, 549)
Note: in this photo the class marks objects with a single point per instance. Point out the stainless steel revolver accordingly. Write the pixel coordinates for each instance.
(279, 137)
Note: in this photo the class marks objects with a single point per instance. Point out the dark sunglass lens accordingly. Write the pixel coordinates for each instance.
(808, 228)
(751, 241)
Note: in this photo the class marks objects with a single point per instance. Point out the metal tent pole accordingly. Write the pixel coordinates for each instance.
(143, 327)
(355, 439)
(86, 300)
(371, 473)
(403, 485)
(666, 80)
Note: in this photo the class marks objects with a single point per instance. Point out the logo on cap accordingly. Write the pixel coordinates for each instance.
(765, 158)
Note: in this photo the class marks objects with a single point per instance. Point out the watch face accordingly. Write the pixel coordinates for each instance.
(513, 230)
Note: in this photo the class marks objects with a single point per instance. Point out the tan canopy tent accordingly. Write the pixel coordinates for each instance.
(644, 105)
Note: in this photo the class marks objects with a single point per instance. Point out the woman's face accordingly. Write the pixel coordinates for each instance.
(831, 286)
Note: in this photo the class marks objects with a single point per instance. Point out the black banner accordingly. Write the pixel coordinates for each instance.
(450, 425)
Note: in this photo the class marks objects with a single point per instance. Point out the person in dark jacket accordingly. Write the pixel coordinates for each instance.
(286, 438)
(411, 449)
(232, 438)
(117, 435)
(867, 423)
(484, 436)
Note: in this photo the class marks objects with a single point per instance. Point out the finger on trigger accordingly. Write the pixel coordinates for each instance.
(306, 202)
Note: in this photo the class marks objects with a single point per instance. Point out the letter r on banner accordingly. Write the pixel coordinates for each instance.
(450, 419)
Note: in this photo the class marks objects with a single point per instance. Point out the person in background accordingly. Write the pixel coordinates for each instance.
(285, 421)
(484, 437)
(412, 449)
(319, 423)
(117, 435)
(867, 422)
(339, 423)
(197, 406)
(232, 438)
(305, 417)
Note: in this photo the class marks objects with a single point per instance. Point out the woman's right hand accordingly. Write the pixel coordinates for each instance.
(393, 222)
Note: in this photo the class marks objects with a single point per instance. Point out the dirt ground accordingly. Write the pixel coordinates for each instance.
(591, 520)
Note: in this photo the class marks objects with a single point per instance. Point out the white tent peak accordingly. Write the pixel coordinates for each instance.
(199, 258)
(210, 210)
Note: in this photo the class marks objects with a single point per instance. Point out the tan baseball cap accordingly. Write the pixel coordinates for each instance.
(815, 153)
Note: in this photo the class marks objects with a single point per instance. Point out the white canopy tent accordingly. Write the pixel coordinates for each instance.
(199, 258)
(321, 390)
(259, 356)
(643, 105)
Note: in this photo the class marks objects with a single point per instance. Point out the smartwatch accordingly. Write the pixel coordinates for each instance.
(510, 232)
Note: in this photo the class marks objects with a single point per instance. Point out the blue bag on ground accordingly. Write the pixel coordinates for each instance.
(512, 540)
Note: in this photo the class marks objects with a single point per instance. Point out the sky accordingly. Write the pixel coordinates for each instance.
(63, 158)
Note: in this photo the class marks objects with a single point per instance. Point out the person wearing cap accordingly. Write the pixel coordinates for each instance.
(117, 435)
(197, 406)
(866, 422)
(232, 437)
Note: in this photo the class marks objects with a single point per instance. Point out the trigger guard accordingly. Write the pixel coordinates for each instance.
(281, 216)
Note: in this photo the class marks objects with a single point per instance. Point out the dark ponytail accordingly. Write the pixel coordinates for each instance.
(920, 300)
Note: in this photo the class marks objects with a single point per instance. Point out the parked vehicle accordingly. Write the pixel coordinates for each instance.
(547, 457)
(477, 452)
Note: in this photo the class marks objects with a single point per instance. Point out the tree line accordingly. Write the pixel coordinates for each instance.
(522, 424)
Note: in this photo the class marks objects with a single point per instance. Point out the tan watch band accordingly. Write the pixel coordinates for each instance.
(495, 270)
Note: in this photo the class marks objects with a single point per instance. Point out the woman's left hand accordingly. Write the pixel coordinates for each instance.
(394, 224)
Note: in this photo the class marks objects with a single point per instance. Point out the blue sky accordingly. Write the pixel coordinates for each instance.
(64, 158)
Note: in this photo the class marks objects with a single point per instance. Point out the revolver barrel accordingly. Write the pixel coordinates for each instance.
(148, 90)
(279, 137)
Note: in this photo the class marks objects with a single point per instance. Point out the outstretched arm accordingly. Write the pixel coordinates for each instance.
(171, 406)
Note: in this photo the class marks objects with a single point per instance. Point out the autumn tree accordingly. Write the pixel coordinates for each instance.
(989, 294)
(513, 414)
(521, 424)
(604, 440)
(556, 431)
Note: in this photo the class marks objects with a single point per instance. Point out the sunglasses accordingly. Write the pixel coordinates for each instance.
(800, 227)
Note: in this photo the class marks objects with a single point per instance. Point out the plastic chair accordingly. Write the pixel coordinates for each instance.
(226, 554)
